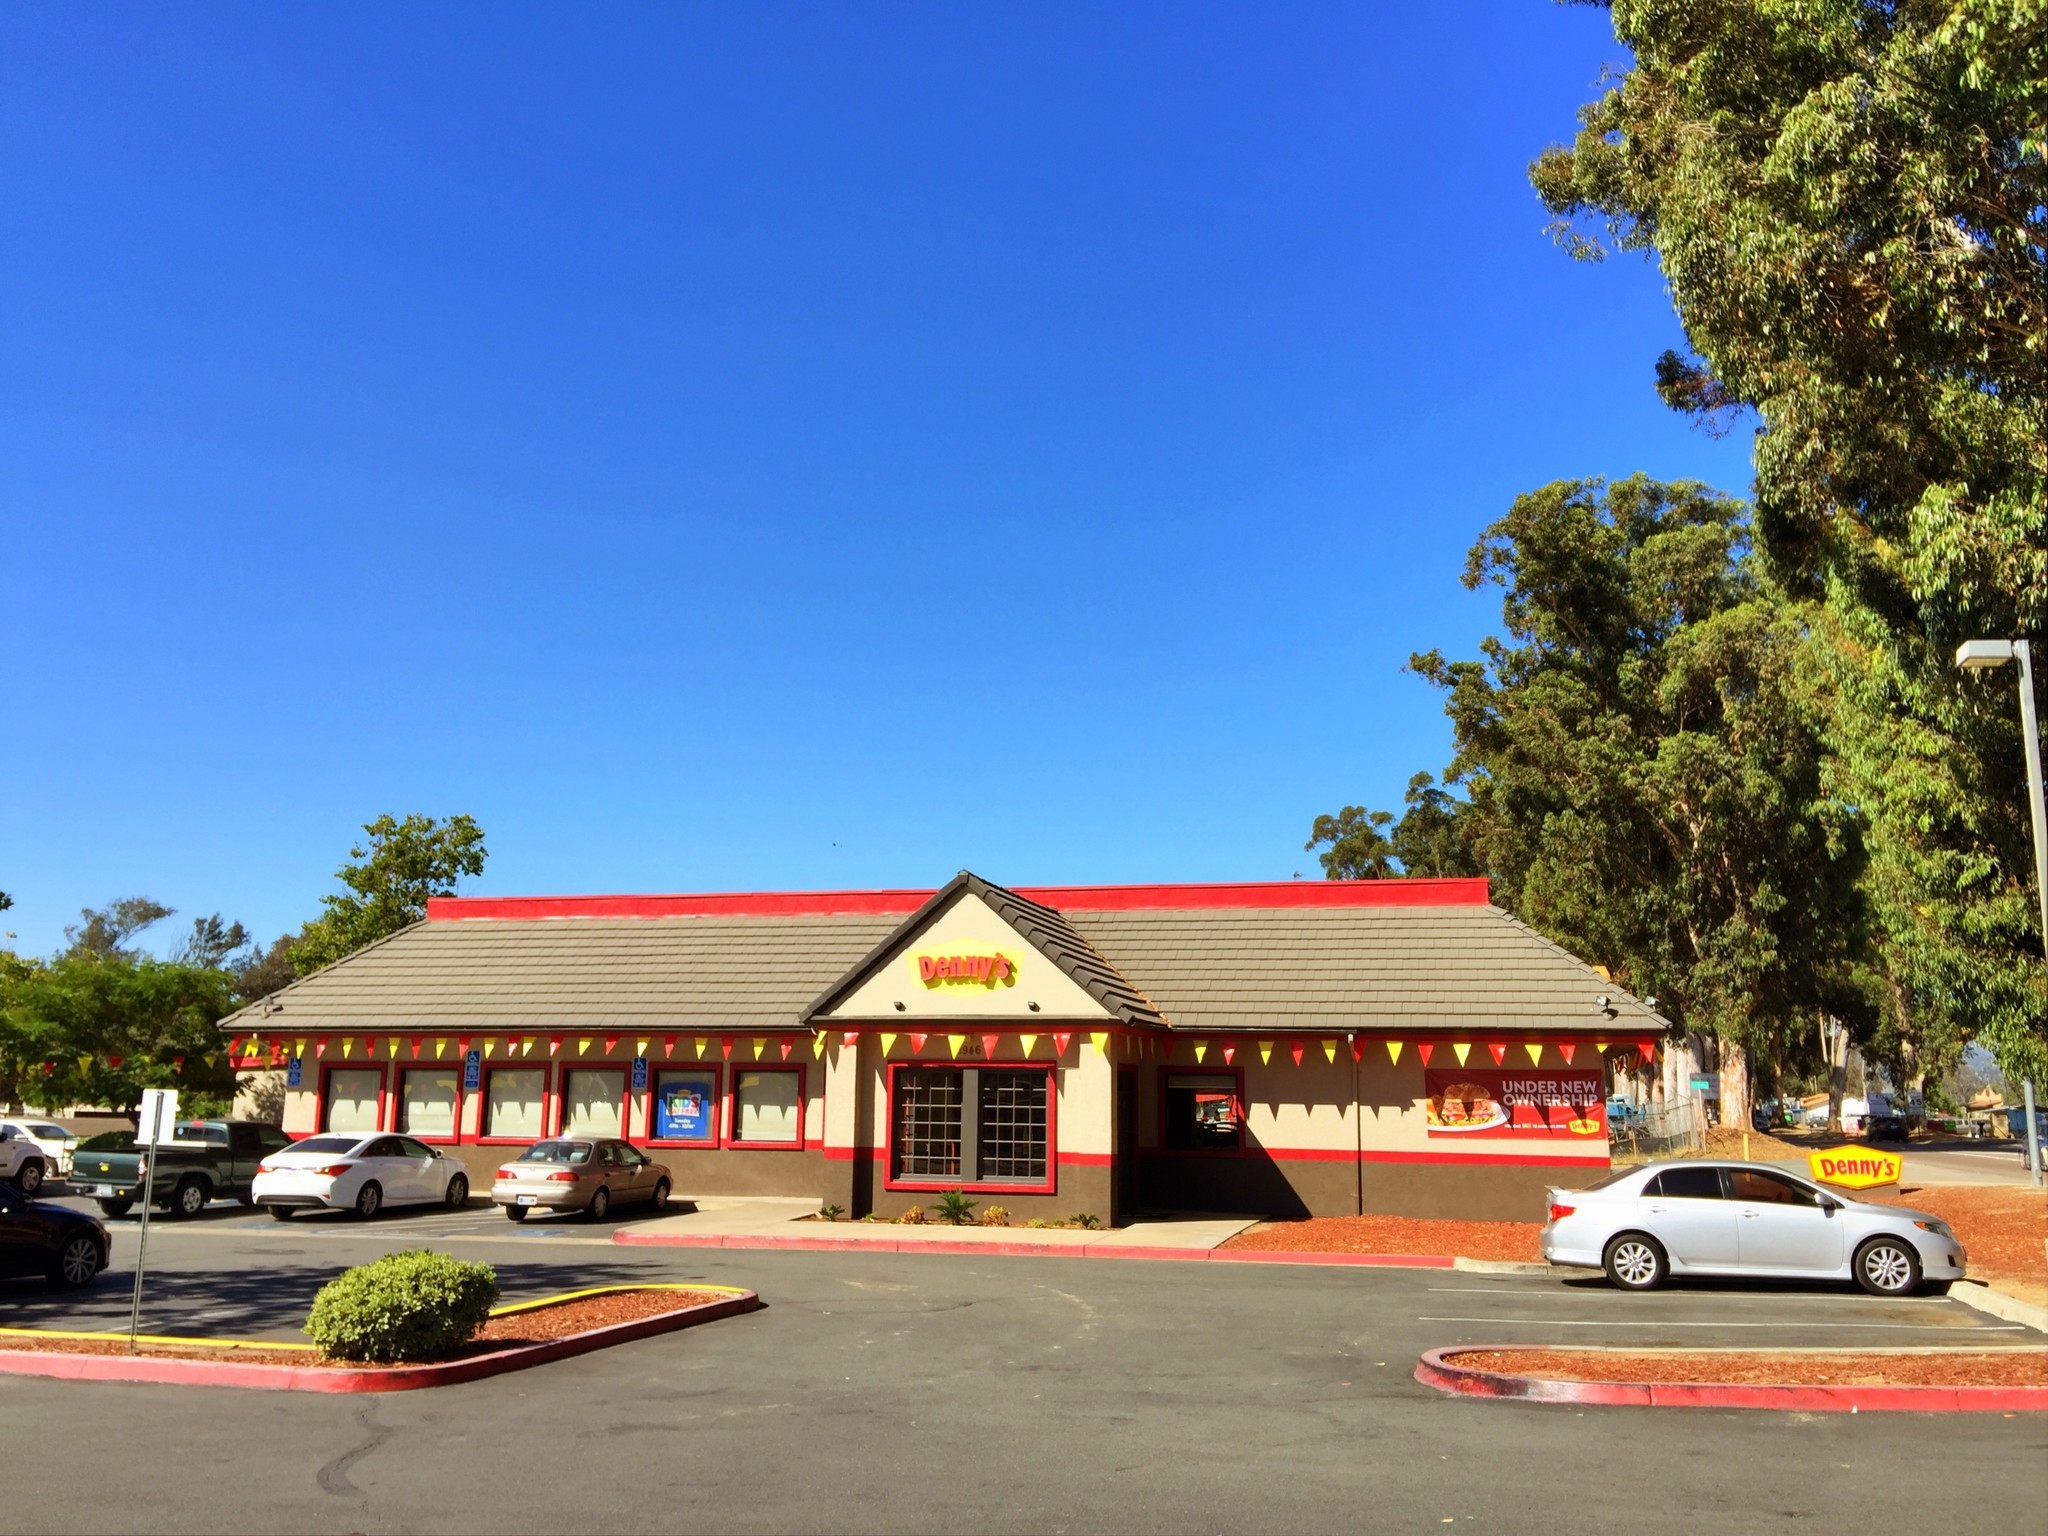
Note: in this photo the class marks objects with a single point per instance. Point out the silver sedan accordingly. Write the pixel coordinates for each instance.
(1644, 1225)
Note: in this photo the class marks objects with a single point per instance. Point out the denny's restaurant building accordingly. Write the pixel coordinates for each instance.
(1324, 1048)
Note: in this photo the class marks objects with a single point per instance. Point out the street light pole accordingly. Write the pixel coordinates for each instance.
(1972, 654)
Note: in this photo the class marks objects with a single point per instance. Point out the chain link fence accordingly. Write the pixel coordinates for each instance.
(1658, 1129)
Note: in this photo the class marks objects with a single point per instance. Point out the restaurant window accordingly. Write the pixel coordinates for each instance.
(767, 1107)
(590, 1102)
(353, 1095)
(686, 1106)
(513, 1097)
(976, 1125)
(1203, 1112)
(426, 1101)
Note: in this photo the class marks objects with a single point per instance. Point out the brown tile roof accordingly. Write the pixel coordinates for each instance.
(1211, 967)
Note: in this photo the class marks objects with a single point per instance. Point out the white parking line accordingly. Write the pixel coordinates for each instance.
(1648, 1322)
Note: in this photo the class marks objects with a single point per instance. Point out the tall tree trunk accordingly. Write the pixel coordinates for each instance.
(1735, 1084)
(1834, 1050)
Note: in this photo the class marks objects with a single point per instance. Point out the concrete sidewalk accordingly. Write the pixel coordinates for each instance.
(713, 1219)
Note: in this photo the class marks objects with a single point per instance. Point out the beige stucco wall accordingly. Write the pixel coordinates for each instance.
(968, 927)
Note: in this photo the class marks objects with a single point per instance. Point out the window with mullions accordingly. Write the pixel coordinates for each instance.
(1003, 1140)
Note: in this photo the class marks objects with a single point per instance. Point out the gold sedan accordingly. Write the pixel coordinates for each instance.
(569, 1173)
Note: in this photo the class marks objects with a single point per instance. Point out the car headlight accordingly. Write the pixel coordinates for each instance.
(1938, 1228)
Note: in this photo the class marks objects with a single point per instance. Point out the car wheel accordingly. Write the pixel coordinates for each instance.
(515, 1212)
(1887, 1266)
(1634, 1262)
(78, 1261)
(190, 1198)
(115, 1208)
(659, 1201)
(280, 1212)
(29, 1178)
(600, 1204)
(369, 1200)
(458, 1192)
(245, 1198)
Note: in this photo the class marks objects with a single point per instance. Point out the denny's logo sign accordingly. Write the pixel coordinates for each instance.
(986, 969)
(1853, 1168)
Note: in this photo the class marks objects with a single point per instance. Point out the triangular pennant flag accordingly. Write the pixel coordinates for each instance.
(640, 1047)
(786, 1044)
(84, 1063)
(177, 1064)
(319, 1050)
(1330, 1052)
(609, 1042)
(668, 1045)
(1229, 1053)
(760, 1045)
(1535, 1052)
(702, 1044)
(1394, 1052)
(347, 1045)
(462, 1045)
(1294, 1050)
(416, 1042)
(235, 1046)
(953, 1044)
(51, 1066)
(1357, 1049)
(1100, 1040)
(298, 1048)
(1201, 1050)
(1461, 1050)
(554, 1044)
(1027, 1041)
(1649, 1052)
(988, 1046)
(1499, 1050)
(526, 1046)
(818, 1047)
(888, 1044)
(394, 1047)
(1599, 1045)
(1059, 1042)
(1265, 1053)
(725, 1047)
(440, 1046)
(1423, 1048)
(850, 1038)
(582, 1046)
(916, 1044)
(1565, 1049)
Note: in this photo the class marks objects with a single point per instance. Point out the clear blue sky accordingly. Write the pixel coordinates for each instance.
(760, 446)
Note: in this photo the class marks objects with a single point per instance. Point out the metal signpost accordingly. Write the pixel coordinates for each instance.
(156, 1120)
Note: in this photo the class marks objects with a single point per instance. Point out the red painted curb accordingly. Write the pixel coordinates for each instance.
(398, 1378)
(1434, 1370)
(1028, 1249)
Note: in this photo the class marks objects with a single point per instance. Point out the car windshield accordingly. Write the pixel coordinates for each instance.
(556, 1152)
(54, 1132)
(326, 1144)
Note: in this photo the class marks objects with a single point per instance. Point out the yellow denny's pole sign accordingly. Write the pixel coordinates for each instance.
(986, 969)
(1853, 1168)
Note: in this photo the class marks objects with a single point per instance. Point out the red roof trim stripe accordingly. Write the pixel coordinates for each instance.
(1065, 898)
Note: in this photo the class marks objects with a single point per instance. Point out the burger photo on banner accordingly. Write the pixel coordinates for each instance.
(1472, 1101)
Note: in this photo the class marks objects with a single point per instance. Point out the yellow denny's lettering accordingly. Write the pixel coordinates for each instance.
(989, 970)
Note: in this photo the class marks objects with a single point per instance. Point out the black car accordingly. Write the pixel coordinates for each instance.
(67, 1246)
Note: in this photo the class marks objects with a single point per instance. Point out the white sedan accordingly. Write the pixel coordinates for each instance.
(362, 1173)
(1645, 1225)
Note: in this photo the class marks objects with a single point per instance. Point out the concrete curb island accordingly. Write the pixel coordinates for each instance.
(389, 1378)
(1436, 1370)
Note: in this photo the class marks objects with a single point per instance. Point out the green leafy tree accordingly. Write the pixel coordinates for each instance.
(1849, 202)
(1432, 838)
(388, 881)
(1644, 765)
(1354, 843)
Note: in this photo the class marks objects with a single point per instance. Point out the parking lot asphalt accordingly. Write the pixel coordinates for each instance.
(930, 1392)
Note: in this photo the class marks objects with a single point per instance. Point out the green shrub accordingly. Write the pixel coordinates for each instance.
(406, 1306)
(955, 1207)
(1084, 1221)
(830, 1212)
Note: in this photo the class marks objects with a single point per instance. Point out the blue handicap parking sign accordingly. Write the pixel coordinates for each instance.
(473, 1070)
(295, 1073)
(639, 1074)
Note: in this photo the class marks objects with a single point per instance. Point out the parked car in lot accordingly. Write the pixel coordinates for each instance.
(1644, 1225)
(43, 1141)
(206, 1158)
(577, 1174)
(347, 1170)
(67, 1246)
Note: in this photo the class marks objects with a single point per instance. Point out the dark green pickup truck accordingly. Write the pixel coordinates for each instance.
(206, 1158)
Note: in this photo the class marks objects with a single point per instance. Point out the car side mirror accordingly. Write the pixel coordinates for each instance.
(1828, 1207)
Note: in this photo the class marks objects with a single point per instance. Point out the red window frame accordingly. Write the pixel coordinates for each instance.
(398, 1071)
(483, 1104)
(922, 1184)
(1243, 1146)
(728, 1137)
(711, 1143)
(625, 1074)
(329, 1068)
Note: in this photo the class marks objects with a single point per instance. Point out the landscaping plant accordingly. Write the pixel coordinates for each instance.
(955, 1208)
(404, 1307)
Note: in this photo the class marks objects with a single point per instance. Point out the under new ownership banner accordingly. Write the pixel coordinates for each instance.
(1551, 1105)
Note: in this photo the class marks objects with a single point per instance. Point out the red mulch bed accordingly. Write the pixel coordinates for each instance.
(1394, 1234)
(517, 1331)
(2004, 1230)
(1945, 1368)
